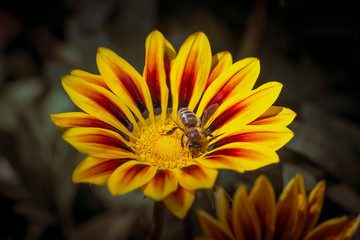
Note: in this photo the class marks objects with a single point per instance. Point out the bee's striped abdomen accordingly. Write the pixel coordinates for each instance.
(188, 117)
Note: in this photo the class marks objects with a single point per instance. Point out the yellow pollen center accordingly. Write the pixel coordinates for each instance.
(157, 148)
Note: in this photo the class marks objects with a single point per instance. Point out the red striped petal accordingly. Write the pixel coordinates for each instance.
(126, 83)
(190, 72)
(236, 79)
(162, 184)
(130, 176)
(239, 156)
(242, 109)
(275, 115)
(96, 170)
(100, 103)
(273, 136)
(64, 121)
(179, 202)
(98, 142)
(196, 177)
(157, 71)
(220, 62)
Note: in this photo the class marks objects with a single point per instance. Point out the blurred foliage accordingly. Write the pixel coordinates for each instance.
(312, 47)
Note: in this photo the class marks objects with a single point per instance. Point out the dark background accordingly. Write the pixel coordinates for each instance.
(312, 47)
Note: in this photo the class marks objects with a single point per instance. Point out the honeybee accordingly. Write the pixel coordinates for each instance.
(195, 134)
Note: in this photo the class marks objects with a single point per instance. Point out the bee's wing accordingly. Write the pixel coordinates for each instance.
(208, 113)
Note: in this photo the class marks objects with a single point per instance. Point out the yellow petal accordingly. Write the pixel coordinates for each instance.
(98, 142)
(162, 184)
(179, 202)
(213, 228)
(90, 78)
(196, 177)
(315, 204)
(275, 115)
(239, 156)
(100, 103)
(272, 136)
(223, 211)
(241, 109)
(236, 79)
(126, 83)
(245, 219)
(263, 198)
(96, 170)
(155, 72)
(330, 229)
(219, 63)
(190, 72)
(130, 176)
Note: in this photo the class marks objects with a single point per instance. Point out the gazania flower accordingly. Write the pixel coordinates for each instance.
(133, 137)
(259, 216)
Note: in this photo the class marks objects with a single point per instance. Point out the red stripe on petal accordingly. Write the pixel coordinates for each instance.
(153, 84)
(225, 117)
(187, 83)
(111, 107)
(133, 91)
(234, 152)
(105, 140)
(103, 168)
(162, 184)
(64, 121)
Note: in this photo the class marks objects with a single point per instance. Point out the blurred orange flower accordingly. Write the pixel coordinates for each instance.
(129, 124)
(259, 216)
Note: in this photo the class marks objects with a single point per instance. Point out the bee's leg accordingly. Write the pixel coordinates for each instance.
(213, 138)
(208, 134)
(171, 131)
(182, 140)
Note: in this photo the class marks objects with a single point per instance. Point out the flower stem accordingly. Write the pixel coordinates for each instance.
(157, 222)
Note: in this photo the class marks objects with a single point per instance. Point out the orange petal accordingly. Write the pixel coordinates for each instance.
(155, 72)
(352, 229)
(236, 79)
(190, 72)
(239, 156)
(126, 83)
(98, 142)
(90, 78)
(130, 176)
(179, 202)
(330, 229)
(100, 103)
(272, 136)
(220, 62)
(263, 198)
(241, 109)
(196, 176)
(275, 115)
(213, 228)
(223, 211)
(96, 170)
(291, 210)
(162, 184)
(245, 219)
(315, 204)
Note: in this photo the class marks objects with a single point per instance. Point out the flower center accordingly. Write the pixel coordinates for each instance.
(157, 148)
